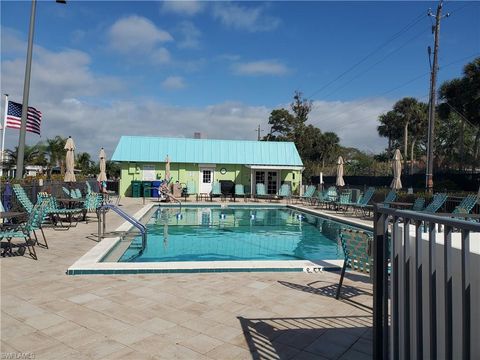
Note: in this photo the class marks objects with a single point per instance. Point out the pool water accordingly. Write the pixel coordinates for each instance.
(235, 233)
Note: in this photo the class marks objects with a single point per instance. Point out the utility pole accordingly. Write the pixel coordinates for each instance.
(258, 130)
(26, 92)
(433, 90)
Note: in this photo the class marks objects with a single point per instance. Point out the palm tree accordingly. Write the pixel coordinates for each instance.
(56, 153)
(33, 155)
(84, 163)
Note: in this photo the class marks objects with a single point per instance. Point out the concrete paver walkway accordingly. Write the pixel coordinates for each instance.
(49, 315)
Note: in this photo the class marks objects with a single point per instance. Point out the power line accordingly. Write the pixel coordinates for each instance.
(393, 37)
(376, 63)
(408, 82)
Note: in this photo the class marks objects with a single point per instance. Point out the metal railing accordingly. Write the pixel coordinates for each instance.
(102, 224)
(425, 278)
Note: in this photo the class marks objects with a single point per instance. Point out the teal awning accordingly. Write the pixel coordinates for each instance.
(206, 151)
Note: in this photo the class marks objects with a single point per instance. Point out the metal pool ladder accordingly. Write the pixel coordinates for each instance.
(101, 222)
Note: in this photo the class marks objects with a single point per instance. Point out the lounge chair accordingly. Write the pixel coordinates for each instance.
(261, 192)
(418, 204)
(239, 192)
(25, 231)
(357, 249)
(320, 198)
(344, 201)
(285, 191)
(88, 187)
(437, 202)
(363, 204)
(190, 189)
(22, 197)
(466, 205)
(216, 191)
(56, 212)
(331, 196)
(308, 195)
(391, 196)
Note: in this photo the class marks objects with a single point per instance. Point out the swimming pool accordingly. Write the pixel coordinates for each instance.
(232, 234)
(215, 238)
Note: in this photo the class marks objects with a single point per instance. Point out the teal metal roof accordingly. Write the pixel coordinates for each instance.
(206, 151)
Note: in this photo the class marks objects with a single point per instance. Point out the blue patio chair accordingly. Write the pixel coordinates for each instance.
(391, 196)
(437, 202)
(308, 195)
(239, 192)
(260, 192)
(466, 205)
(22, 197)
(357, 250)
(25, 231)
(190, 190)
(216, 190)
(332, 196)
(344, 201)
(88, 187)
(363, 204)
(285, 191)
(418, 204)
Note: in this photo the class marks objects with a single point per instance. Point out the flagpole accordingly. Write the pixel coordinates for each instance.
(4, 128)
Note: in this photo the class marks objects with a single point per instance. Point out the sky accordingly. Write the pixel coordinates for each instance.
(103, 69)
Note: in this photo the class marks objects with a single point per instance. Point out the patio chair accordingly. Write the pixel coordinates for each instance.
(25, 231)
(216, 191)
(357, 250)
(239, 192)
(285, 192)
(261, 192)
(363, 204)
(466, 205)
(331, 196)
(308, 195)
(320, 198)
(190, 189)
(344, 201)
(56, 212)
(22, 197)
(418, 204)
(391, 196)
(437, 202)
(92, 202)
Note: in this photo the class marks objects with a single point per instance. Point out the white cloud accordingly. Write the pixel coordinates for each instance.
(263, 67)
(355, 122)
(185, 8)
(173, 83)
(190, 35)
(136, 33)
(247, 18)
(160, 56)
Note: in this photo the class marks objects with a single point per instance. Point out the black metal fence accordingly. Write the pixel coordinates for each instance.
(425, 278)
(56, 188)
(442, 181)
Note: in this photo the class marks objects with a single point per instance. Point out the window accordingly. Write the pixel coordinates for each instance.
(259, 177)
(207, 176)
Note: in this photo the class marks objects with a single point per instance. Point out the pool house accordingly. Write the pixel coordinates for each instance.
(205, 161)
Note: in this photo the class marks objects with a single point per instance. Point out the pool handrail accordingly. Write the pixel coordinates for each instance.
(127, 217)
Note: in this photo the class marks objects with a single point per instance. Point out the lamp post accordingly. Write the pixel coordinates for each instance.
(26, 92)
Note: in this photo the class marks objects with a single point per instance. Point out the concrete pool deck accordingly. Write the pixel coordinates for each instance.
(267, 315)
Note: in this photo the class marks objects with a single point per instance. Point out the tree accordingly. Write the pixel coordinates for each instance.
(84, 163)
(462, 97)
(33, 155)
(55, 149)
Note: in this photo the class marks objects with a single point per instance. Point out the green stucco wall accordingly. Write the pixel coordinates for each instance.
(190, 172)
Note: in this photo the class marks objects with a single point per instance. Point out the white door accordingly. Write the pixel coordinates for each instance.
(206, 180)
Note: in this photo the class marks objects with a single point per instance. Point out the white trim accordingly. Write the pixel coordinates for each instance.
(274, 167)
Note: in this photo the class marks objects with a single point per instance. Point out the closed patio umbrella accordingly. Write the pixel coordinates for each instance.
(340, 181)
(70, 160)
(102, 176)
(397, 170)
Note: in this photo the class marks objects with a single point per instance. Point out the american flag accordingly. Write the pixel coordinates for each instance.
(14, 117)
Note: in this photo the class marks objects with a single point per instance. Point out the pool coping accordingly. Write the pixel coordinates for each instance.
(90, 263)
